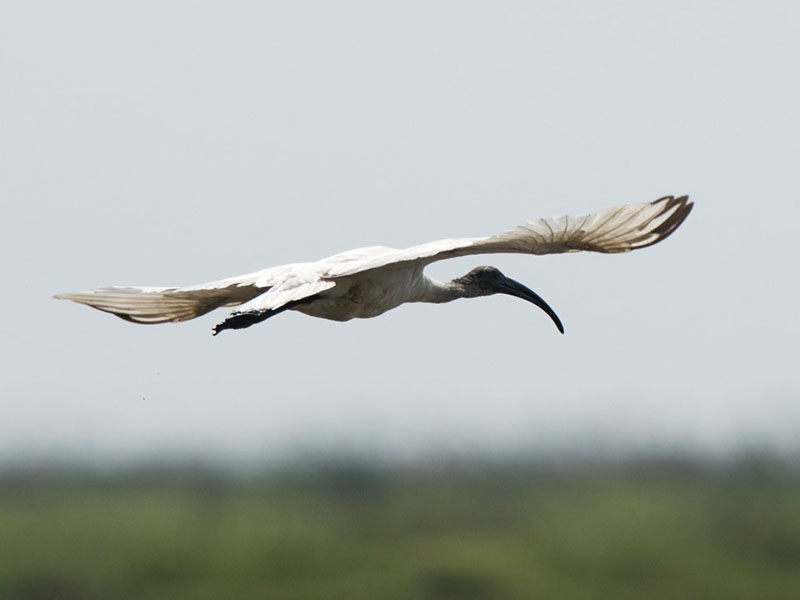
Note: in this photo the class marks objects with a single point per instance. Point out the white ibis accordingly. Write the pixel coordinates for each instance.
(367, 282)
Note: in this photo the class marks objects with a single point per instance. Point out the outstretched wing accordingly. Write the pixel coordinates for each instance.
(618, 229)
(172, 304)
(295, 289)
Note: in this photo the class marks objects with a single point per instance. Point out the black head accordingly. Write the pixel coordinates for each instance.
(485, 281)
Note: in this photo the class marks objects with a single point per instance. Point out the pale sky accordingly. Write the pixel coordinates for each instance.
(170, 143)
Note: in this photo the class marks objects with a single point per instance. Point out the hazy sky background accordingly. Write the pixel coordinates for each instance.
(170, 143)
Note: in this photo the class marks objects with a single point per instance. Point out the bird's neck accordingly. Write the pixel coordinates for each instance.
(439, 292)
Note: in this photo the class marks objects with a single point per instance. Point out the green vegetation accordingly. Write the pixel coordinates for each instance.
(653, 532)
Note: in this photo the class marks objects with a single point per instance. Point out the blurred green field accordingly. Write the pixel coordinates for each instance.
(652, 531)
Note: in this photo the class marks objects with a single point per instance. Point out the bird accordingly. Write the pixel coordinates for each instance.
(367, 282)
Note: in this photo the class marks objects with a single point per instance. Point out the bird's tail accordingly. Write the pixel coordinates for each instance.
(160, 305)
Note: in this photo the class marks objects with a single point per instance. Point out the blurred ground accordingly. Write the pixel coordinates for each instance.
(655, 530)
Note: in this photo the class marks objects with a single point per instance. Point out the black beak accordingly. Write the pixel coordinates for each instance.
(515, 288)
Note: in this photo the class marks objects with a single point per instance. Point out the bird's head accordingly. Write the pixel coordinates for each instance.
(485, 281)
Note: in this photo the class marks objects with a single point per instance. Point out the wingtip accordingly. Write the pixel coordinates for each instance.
(685, 202)
(679, 208)
(672, 200)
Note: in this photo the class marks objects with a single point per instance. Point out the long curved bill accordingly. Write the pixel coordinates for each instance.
(515, 288)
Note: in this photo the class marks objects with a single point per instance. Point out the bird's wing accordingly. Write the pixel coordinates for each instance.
(291, 290)
(258, 280)
(618, 229)
(171, 304)
(295, 289)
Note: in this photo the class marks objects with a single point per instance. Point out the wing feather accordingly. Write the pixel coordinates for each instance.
(156, 305)
(614, 230)
(172, 304)
(291, 292)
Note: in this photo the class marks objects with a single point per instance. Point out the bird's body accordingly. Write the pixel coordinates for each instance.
(371, 295)
(367, 282)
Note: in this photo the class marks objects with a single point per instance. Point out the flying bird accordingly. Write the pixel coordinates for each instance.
(367, 282)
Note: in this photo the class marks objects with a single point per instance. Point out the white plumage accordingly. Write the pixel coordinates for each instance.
(367, 282)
